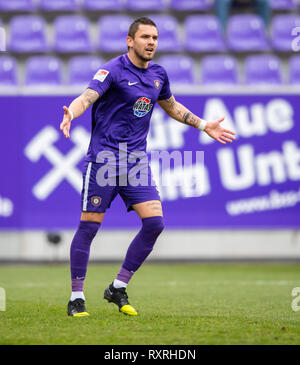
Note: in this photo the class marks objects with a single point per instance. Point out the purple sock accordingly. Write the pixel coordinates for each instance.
(80, 252)
(141, 247)
(124, 275)
(77, 285)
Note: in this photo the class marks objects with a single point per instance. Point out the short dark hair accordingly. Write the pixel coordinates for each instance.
(135, 25)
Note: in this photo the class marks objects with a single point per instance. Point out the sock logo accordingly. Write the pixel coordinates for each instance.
(96, 201)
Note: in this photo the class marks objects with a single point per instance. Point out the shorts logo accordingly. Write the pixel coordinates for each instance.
(101, 75)
(156, 83)
(96, 201)
(142, 106)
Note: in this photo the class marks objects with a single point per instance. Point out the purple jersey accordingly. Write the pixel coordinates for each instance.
(123, 111)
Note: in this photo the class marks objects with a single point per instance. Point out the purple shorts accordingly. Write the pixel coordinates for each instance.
(95, 197)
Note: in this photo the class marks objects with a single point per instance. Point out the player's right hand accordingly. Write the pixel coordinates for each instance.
(65, 125)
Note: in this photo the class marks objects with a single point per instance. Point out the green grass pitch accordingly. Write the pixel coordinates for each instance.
(178, 304)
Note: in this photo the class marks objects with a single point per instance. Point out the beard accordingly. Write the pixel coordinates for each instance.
(143, 58)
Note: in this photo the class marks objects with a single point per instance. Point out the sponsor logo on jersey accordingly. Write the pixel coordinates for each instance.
(156, 83)
(96, 201)
(101, 75)
(142, 106)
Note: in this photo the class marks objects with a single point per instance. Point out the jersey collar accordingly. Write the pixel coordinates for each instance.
(130, 64)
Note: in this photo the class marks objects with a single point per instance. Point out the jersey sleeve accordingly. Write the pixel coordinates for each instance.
(102, 80)
(165, 92)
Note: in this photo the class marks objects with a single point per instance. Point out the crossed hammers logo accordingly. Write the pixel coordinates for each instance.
(64, 166)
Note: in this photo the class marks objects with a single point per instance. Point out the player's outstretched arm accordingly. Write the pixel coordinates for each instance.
(180, 113)
(77, 108)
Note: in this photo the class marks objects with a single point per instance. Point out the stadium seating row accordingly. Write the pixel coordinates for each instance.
(72, 34)
(215, 69)
(132, 5)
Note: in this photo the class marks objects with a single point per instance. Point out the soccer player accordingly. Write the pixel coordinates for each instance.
(123, 93)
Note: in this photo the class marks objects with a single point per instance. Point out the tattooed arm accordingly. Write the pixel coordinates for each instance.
(77, 108)
(180, 113)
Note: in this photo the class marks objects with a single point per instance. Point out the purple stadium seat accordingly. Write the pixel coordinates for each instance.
(191, 5)
(113, 30)
(263, 70)
(180, 68)
(83, 68)
(246, 33)
(59, 5)
(43, 71)
(168, 39)
(72, 34)
(203, 33)
(219, 70)
(283, 4)
(8, 71)
(28, 34)
(294, 70)
(17, 5)
(104, 5)
(281, 31)
(148, 5)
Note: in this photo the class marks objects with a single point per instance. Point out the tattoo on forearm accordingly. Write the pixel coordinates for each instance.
(191, 119)
(186, 117)
(91, 96)
(171, 101)
(181, 113)
(83, 105)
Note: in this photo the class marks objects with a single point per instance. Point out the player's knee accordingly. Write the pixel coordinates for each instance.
(153, 225)
(88, 229)
(159, 225)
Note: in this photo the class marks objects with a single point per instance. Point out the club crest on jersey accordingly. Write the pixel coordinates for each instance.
(156, 83)
(96, 201)
(101, 75)
(142, 106)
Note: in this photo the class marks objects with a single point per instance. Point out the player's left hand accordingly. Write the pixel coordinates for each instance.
(65, 125)
(217, 132)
